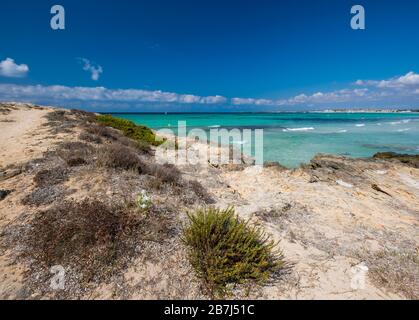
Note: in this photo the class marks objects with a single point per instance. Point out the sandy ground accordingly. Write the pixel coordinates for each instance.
(327, 222)
(22, 136)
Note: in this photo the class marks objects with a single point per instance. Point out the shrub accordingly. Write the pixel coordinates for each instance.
(90, 137)
(129, 129)
(100, 130)
(119, 157)
(225, 250)
(75, 153)
(200, 191)
(43, 196)
(91, 238)
(56, 116)
(49, 177)
(166, 173)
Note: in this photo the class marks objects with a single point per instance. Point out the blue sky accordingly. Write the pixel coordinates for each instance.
(210, 55)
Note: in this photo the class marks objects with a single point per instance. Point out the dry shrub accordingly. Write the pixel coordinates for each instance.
(226, 251)
(56, 116)
(84, 115)
(85, 136)
(43, 196)
(119, 157)
(90, 236)
(50, 177)
(75, 153)
(200, 191)
(397, 271)
(93, 239)
(95, 132)
(101, 131)
(166, 173)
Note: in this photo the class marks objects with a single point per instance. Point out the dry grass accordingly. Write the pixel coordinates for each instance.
(397, 271)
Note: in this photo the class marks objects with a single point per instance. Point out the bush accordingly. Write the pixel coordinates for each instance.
(119, 157)
(90, 137)
(49, 177)
(100, 130)
(75, 153)
(43, 196)
(200, 191)
(129, 129)
(91, 238)
(225, 250)
(166, 173)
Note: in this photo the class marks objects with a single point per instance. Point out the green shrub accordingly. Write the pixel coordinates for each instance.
(129, 129)
(225, 250)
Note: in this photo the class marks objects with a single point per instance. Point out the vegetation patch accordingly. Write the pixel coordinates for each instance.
(165, 173)
(226, 251)
(396, 270)
(49, 177)
(85, 136)
(91, 240)
(75, 153)
(43, 196)
(129, 129)
(119, 157)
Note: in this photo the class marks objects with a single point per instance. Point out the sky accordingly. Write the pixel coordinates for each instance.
(210, 55)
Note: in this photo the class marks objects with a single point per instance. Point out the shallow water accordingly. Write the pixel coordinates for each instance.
(294, 138)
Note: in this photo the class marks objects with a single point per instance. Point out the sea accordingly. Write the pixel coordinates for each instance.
(295, 138)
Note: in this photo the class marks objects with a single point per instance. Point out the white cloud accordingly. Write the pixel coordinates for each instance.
(395, 89)
(95, 70)
(410, 79)
(8, 68)
(59, 93)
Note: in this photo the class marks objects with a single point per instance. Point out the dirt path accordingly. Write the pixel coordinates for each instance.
(24, 141)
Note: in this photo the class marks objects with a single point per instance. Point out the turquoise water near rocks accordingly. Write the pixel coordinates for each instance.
(294, 138)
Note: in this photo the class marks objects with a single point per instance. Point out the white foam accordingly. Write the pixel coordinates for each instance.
(215, 126)
(403, 130)
(298, 129)
(360, 125)
(342, 131)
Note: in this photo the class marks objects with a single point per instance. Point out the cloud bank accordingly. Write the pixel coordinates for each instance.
(8, 68)
(402, 91)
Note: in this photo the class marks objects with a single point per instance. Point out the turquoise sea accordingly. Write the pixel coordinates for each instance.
(294, 138)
